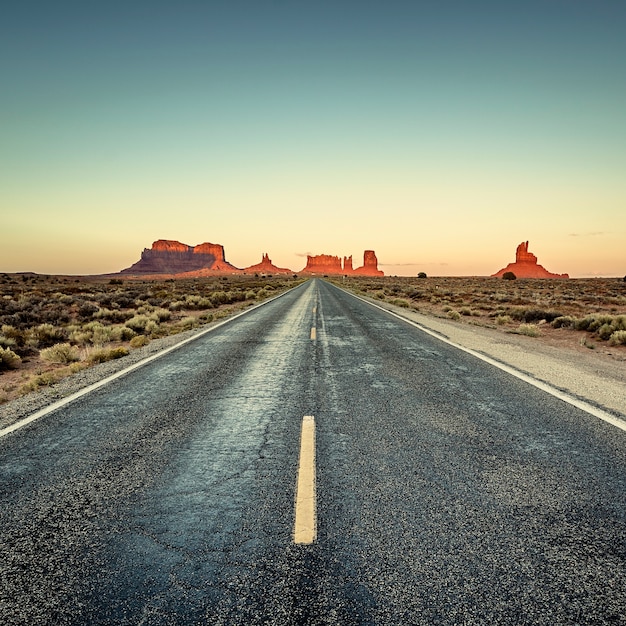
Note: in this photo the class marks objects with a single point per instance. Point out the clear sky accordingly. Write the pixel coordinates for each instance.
(438, 133)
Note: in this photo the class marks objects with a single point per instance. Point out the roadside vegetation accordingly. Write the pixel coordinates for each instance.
(592, 309)
(54, 326)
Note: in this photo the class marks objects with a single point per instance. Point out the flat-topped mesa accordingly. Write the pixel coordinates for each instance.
(172, 257)
(323, 264)
(526, 265)
(327, 264)
(266, 267)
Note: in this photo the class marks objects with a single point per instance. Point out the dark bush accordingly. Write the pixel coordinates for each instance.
(422, 275)
(509, 276)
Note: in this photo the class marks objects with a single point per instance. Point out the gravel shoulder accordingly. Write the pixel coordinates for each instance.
(594, 376)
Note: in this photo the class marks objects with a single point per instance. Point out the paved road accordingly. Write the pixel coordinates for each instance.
(448, 492)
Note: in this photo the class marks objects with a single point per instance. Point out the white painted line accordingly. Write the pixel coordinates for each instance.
(105, 381)
(305, 525)
(553, 391)
(313, 333)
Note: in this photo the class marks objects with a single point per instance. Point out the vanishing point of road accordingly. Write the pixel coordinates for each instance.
(314, 461)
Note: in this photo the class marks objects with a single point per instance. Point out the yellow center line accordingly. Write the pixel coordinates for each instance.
(305, 526)
(313, 333)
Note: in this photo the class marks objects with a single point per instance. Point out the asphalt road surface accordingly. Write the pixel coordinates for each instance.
(447, 491)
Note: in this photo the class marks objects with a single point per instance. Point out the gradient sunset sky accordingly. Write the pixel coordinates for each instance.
(440, 134)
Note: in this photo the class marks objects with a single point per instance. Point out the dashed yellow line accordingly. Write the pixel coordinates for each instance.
(305, 526)
(313, 334)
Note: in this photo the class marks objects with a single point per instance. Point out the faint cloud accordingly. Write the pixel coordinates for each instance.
(593, 234)
(303, 254)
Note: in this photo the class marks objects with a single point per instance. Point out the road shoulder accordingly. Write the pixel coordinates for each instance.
(589, 376)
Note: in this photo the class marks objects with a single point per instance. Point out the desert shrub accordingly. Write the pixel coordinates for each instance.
(509, 276)
(61, 353)
(99, 334)
(187, 323)
(80, 337)
(122, 333)
(605, 331)
(7, 342)
(454, 315)
(161, 315)
(564, 321)
(138, 323)
(206, 317)
(251, 294)
(138, 341)
(151, 328)
(8, 359)
(618, 338)
(531, 330)
(107, 354)
(400, 302)
(219, 297)
(113, 315)
(87, 309)
(422, 275)
(533, 315)
(177, 305)
(503, 319)
(46, 335)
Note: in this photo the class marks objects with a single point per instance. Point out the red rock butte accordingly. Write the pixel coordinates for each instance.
(327, 264)
(526, 266)
(167, 257)
(266, 267)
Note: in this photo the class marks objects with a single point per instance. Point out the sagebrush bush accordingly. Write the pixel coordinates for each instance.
(138, 323)
(618, 338)
(563, 321)
(503, 319)
(8, 359)
(46, 335)
(61, 353)
(138, 341)
(107, 354)
(530, 330)
(400, 302)
(122, 333)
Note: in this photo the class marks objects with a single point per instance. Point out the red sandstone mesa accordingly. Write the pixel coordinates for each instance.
(526, 265)
(173, 257)
(327, 264)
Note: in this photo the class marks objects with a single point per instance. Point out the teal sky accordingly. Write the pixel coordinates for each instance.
(440, 134)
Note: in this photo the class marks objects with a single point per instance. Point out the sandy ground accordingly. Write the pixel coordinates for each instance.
(557, 358)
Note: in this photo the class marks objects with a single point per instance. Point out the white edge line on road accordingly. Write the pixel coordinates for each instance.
(305, 522)
(557, 393)
(105, 381)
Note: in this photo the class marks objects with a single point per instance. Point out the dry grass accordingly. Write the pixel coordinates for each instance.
(53, 326)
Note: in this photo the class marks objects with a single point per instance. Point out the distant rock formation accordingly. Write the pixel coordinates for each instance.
(526, 265)
(173, 257)
(167, 258)
(332, 265)
(370, 265)
(266, 267)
